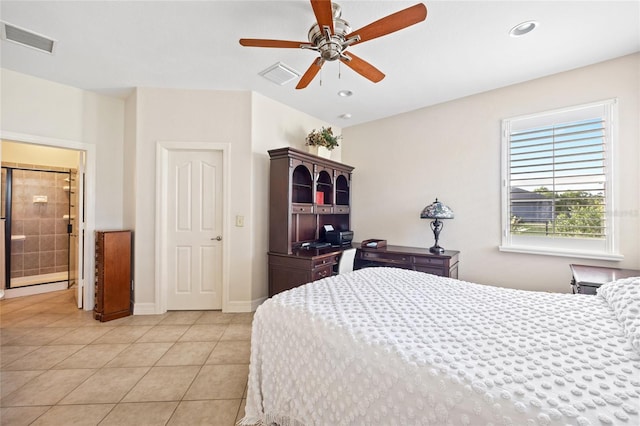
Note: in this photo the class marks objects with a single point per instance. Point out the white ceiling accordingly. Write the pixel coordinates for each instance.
(462, 48)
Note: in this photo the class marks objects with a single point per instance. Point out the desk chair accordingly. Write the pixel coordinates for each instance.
(346, 261)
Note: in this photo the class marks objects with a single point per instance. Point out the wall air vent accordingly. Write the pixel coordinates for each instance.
(280, 73)
(27, 38)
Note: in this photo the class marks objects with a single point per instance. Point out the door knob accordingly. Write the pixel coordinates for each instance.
(218, 238)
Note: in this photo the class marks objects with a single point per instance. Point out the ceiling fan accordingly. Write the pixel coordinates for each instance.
(331, 36)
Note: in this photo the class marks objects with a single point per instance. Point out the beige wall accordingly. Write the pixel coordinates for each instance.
(273, 125)
(38, 107)
(129, 163)
(125, 175)
(170, 115)
(251, 124)
(452, 151)
(47, 113)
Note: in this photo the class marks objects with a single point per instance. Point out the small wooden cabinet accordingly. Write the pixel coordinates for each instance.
(113, 275)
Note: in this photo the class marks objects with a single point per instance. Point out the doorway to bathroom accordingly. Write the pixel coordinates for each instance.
(41, 188)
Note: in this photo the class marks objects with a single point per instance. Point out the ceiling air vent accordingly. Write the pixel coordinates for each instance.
(27, 38)
(280, 73)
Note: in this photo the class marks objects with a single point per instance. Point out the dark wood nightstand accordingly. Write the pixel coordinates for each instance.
(586, 279)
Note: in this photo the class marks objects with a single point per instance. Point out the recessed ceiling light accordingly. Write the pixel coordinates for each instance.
(523, 28)
(345, 116)
(345, 93)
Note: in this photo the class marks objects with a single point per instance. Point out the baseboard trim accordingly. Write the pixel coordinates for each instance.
(144, 309)
(249, 306)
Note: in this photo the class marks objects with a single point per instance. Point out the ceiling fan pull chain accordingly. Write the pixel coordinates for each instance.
(339, 70)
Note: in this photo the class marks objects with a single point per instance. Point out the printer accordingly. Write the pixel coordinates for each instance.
(338, 238)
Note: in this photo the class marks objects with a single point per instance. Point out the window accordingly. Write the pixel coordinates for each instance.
(557, 193)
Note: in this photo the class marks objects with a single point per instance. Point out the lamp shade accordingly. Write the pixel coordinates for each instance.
(436, 210)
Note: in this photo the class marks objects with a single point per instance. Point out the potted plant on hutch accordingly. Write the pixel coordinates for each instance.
(322, 142)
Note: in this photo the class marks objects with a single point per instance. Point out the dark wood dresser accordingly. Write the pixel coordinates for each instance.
(586, 279)
(113, 275)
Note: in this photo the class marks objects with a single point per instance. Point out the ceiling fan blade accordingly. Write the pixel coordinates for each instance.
(362, 67)
(258, 42)
(392, 23)
(310, 73)
(324, 13)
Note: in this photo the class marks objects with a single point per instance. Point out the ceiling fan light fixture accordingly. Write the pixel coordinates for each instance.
(523, 28)
(280, 73)
(330, 46)
(345, 93)
(330, 36)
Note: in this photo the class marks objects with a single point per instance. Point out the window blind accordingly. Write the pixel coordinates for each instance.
(557, 179)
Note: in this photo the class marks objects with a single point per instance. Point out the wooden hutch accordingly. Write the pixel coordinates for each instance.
(306, 193)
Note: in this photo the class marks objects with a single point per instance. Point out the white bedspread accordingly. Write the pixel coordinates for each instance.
(386, 346)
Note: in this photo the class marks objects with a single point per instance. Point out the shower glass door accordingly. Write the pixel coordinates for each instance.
(38, 211)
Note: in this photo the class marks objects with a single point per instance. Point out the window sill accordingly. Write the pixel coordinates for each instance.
(562, 253)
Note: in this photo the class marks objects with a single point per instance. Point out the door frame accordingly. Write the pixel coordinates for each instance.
(89, 190)
(163, 149)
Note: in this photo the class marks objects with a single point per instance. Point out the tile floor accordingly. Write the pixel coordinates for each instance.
(59, 366)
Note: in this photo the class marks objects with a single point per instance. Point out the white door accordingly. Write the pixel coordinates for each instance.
(194, 234)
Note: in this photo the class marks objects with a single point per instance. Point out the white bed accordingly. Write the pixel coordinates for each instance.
(386, 346)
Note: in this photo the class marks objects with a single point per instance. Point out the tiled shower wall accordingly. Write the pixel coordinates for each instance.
(45, 248)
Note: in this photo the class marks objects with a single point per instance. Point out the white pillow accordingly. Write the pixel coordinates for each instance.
(623, 296)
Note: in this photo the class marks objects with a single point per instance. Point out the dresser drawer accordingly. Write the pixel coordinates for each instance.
(434, 271)
(341, 209)
(434, 261)
(322, 261)
(323, 209)
(302, 208)
(323, 272)
(386, 257)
